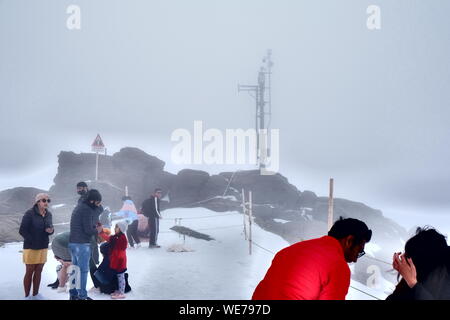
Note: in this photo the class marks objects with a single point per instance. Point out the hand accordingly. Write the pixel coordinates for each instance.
(406, 268)
(49, 230)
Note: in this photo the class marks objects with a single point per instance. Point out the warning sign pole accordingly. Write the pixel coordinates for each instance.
(96, 166)
(97, 146)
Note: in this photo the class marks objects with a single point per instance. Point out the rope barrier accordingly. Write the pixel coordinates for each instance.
(368, 294)
(206, 217)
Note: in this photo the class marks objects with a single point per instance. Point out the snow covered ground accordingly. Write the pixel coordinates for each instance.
(219, 269)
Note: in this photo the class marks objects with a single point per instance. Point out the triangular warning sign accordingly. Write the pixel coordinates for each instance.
(98, 143)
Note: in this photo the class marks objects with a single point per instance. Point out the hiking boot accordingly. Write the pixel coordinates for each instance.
(152, 246)
(54, 285)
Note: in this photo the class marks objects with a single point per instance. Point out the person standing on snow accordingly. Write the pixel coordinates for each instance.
(82, 190)
(151, 209)
(129, 213)
(316, 269)
(83, 226)
(35, 228)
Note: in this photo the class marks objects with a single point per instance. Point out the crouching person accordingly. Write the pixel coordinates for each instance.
(60, 248)
(118, 257)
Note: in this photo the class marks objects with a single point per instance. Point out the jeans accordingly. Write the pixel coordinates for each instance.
(81, 254)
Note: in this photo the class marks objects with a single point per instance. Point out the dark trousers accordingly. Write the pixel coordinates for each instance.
(153, 223)
(132, 233)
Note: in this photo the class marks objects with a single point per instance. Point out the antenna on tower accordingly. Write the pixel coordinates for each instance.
(262, 93)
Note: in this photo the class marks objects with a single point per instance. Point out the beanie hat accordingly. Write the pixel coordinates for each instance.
(40, 196)
(93, 195)
(123, 226)
(82, 184)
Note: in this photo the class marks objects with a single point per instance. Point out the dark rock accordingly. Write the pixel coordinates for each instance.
(270, 189)
(187, 186)
(17, 200)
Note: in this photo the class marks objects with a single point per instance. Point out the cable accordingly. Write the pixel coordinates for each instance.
(368, 294)
(253, 242)
(206, 217)
(375, 259)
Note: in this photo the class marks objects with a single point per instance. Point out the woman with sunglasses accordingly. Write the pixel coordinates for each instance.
(36, 227)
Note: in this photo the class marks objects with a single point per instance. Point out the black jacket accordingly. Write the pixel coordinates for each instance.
(83, 223)
(82, 198)
(32, 229)
(150, 209)
(435, 287)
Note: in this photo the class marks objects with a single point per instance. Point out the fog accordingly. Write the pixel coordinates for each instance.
(369, 108)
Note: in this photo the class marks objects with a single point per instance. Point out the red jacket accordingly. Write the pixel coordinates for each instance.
(310, 270)
(118, 256)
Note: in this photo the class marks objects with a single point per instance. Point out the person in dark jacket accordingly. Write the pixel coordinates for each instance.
(316, 269)
(424, 268)
(151, 209)
(83, 226)
(35, 228)
(82, 190)
(105, 275)
(118, 257)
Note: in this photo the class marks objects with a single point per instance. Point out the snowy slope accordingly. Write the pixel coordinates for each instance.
(219, 269)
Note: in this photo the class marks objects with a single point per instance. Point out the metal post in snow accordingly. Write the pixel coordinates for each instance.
(250, 222)
(96, 166)
(244, 210)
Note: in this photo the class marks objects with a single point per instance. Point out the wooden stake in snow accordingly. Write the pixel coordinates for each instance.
(244, 212)
(330, 205)
(250, 215)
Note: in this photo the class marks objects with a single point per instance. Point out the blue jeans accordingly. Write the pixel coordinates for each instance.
(81, 254)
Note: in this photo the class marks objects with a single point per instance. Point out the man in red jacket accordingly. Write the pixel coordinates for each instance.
(316, 269)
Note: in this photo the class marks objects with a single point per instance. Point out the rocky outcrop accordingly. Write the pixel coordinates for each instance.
(278, 206)
(17, 200)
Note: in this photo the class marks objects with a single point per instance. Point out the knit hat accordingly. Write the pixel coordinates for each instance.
(40, 196)
(93, 195)
(123, 226)
(82, 184)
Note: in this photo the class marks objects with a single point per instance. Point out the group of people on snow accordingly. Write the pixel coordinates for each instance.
(315, 269)
(92, 227)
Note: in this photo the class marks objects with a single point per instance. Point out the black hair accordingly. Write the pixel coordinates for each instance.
(428, 249)
(82, 184)
(124, 198)
(351, 227)
(157, 189)
(93, 195)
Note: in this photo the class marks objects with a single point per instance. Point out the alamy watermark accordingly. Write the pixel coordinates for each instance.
(73, 22)
(374, 19)
(234, 146)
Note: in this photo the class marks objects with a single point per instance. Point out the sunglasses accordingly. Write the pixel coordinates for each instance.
(46, 200)
(361, 254)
